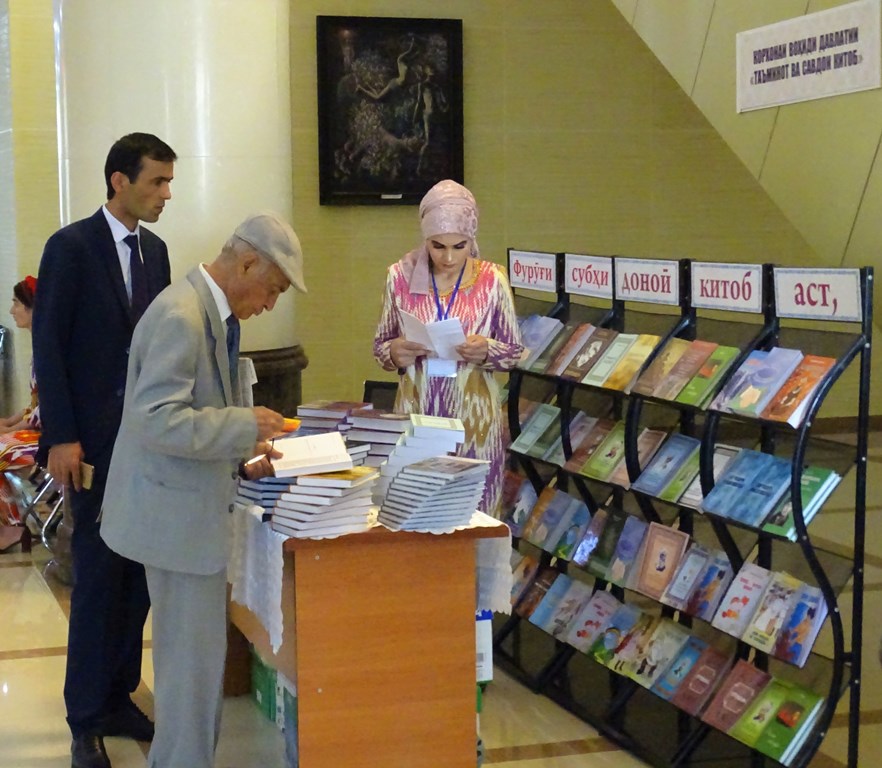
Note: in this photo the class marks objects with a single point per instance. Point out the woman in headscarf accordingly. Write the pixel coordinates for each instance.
(444, 278)
(22, 311)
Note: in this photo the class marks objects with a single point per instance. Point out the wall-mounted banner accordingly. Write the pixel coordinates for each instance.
(534, 270)
(588, 275)
(818, 294)
(652, 280)
(810, 57)
(734, 287)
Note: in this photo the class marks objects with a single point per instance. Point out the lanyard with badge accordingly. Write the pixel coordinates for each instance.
(437, 366)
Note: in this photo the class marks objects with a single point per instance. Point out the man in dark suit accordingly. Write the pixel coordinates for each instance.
(97, 277)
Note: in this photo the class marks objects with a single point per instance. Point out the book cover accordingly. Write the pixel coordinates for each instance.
(783, 736)
(790, 400)
(774, 607)
(594, 617)
(579, 428)
(557, 529)
(556, 619)
(684, 369)
(568, 351)
(723, 455)
(763, 494)
(542, 417)
(749, 727)
(675, 451)
(623, 374)
(816, 484)
(534, 593)
(659, 653)
(702, 386)
(682, 478)
(686, 578)
(547, 440)
(573, 533)
(661, 554)
(735, 481)
(610, 358)
(537, 331)
(648, 442)
(325, 452)
(741, 600)
(522, 508)
(608, 454)
(742, 685)
(588, 445)
(702, 680)
(512, 482)
(524, 570)
(589, 354)
(588, 541)
(801, 627)
(765, 381)
(740, 381)
(631, 648)
(660, 367)
(712, 585)
(532, 523)
(423, 425)
(667, 684)
(549, 602)
(600, 559)
(626, 551)
(614, 633)
(549, 352)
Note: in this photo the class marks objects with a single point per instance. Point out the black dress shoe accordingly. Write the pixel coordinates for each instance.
(88, 752)
(128, 721)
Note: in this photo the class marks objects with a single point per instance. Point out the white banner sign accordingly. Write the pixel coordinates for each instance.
(818, 294)
(657, 282)
(588, 275)
(734, 287)
(810, 57)
(530, 269)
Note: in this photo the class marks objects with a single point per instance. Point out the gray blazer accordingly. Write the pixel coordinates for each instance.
(174, 467)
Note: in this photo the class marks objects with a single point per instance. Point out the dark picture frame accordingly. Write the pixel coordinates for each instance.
(389, 108)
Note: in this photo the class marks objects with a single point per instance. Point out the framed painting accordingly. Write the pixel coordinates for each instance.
(389, 108)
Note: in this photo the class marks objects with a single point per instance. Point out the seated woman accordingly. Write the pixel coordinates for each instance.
(22, 311)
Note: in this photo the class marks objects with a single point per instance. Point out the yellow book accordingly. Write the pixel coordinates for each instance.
(627, 368)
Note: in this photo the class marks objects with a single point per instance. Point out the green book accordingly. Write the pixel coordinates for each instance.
(601, 370)
(750, 726)
(787, 730)
(702, 385)
(817, 483)
(542, 417)
(608, 454)
(678, 484)
(598, 563)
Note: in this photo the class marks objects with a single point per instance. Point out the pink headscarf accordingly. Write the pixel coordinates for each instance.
(447, 208)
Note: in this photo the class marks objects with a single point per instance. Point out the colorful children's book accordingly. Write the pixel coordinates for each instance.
(549, 602)
(615, 633)
(749, 727)
(536, 591)
(765, 381)
(594, 617)
(741, 600)
(566, 605)
(786, 731)
(702, 680)
(666, 685)
(800, 629)
(703, 385)
(763, 493)
(602, 556)
(684, 369)
(545, 515)
(675, 451)
(542, 417)
(573, 533)
(648, 442)
(711, 587)
(588, 445)
(660, 367)
(735, 481)
(524, 570)
(659, 558)
(723, 455)
(790, 402)
(589, 540)
(742, 685)
(626, 369)
(816, 484)
(686, 578)
(613, 355)
(663, 646)
(773, 609)
(565, 523)
(522, 508)
(608, 454)
(626, 551)
(569, 350)
(630, 649)
(589, 354)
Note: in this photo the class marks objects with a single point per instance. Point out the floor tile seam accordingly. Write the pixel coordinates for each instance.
(518, 752)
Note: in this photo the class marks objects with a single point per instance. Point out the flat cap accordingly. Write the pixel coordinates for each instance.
(271, 236)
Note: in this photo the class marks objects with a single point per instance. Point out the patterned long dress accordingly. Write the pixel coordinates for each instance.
(485, 307)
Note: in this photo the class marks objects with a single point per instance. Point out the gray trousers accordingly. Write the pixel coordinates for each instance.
(189, 650)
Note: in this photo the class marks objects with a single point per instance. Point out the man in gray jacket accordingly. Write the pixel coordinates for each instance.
(181, 446)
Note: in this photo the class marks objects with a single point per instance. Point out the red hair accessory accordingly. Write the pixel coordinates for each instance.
(31, 282)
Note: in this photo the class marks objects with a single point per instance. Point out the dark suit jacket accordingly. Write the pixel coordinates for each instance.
(82, 329)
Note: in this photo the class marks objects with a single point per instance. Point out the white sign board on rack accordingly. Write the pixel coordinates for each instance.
(588, 275)
(534, 270)
(651, 280)
(733, 287)
(809, 57)
(818, 294)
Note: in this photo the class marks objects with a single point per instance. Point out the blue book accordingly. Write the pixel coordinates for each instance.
(666, 686)
(579, 523)
(763, 494)
(739, 381)
(547, 606)
(675, 451)
(626, 551)
(735, 481)
(765, 381)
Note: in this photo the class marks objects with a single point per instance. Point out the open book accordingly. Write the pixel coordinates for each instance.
(440, 337)
(324, 452)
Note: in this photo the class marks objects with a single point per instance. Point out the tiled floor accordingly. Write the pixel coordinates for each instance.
(520, 729)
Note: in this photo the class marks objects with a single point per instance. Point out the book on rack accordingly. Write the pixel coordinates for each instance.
(552, 515)
(703, 385)
(662, 550)
(615, 634)
(723, 455)
(749, 727)
(578, 522)
(543, 417)
(682, 478)
(626, 370)
(791, 400)
(648, 442)
(797, 635)
(591, 620)
(702, 680)
(667, 684)
(325, 452)
(772, 611)
(734, 483)
(765, 381)
(763, 494)
(675, 451)
(712, 584)
(657, 655)
(686, 578)
(816, 484)
(549, 352)
(331, 409)
(589, 354)
(792, 721)
(524, 570)
(739, 381)
(547, 441)
(660, 367)
(736, 692)
(606, 457)
(537, 331)
(535, 591)
(568, 351)
(626, 551)
(741, 600)
(580, 426)
(598, 563)
(588, 541)
(683, 371)
(569, 599)
(523, 506)
(588, 445)
(627, 653)
(611, 357)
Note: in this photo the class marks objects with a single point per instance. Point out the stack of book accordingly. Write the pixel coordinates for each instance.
(377, 430)
(436, 494)
(327, 504)
(262, 493)
(327, 415)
